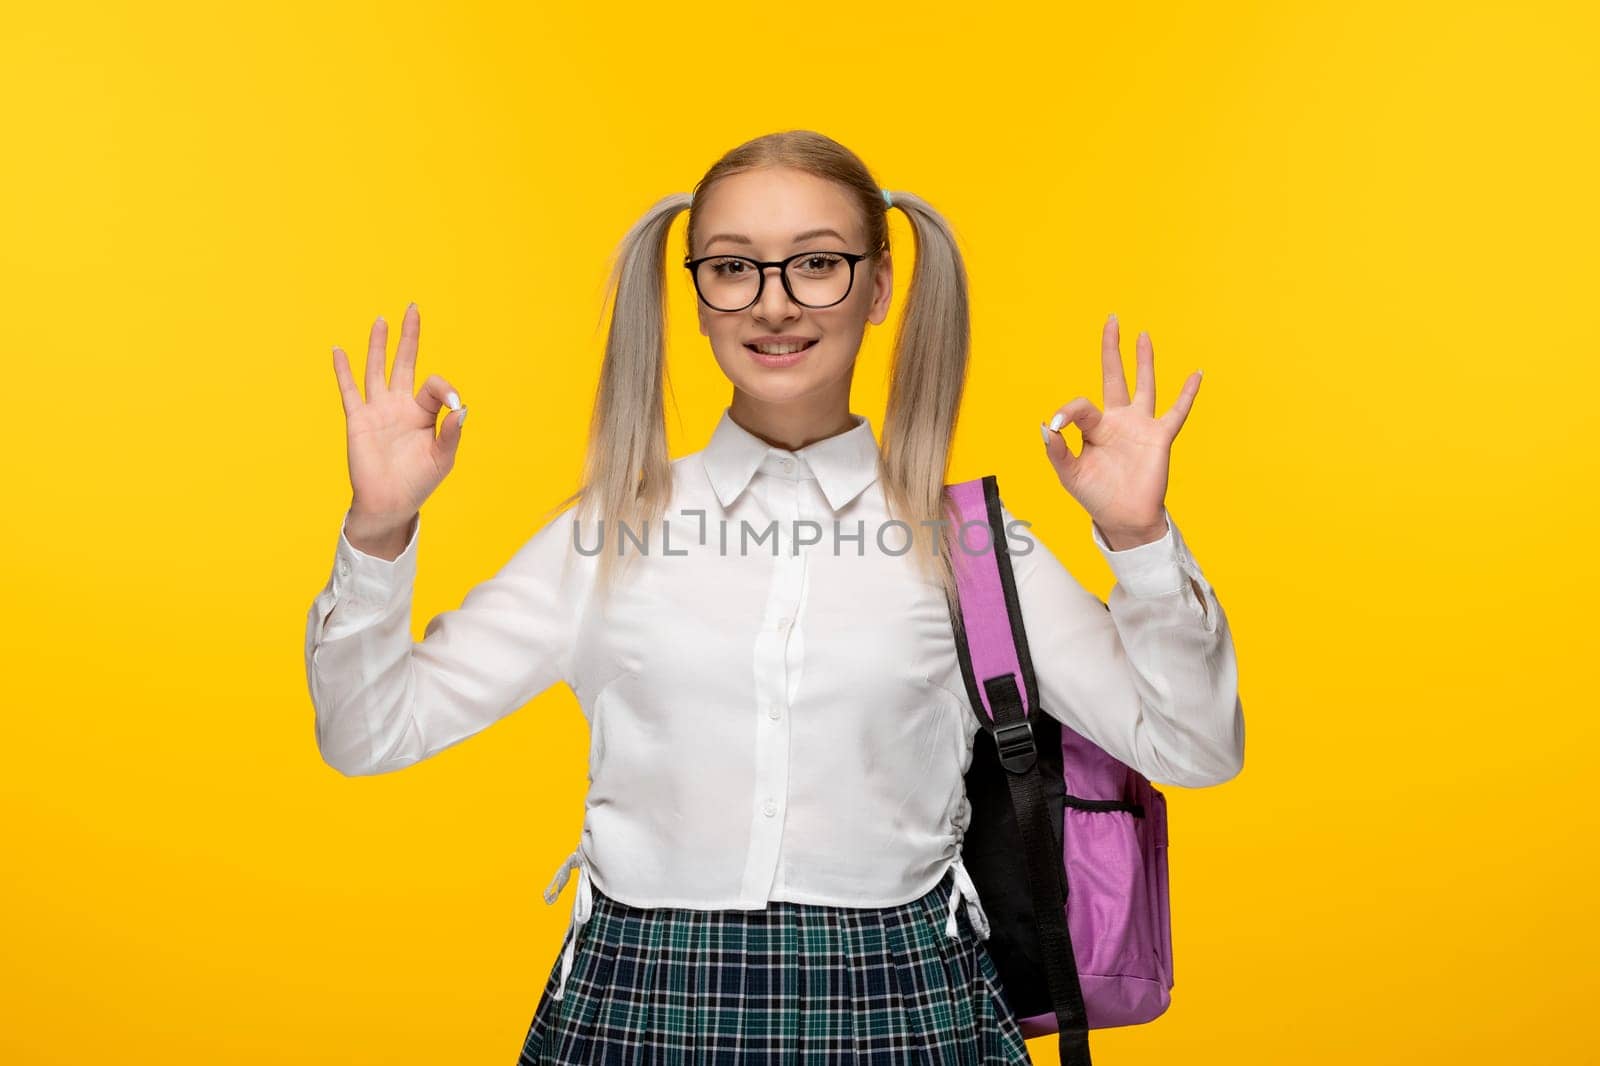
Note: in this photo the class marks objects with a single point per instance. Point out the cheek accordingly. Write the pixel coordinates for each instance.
(724, 340)
(728, 345)
(730, 356)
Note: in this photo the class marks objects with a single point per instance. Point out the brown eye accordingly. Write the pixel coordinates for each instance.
(818, 265)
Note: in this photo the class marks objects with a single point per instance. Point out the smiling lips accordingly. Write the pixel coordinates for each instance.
(780, 345)
(780, 351)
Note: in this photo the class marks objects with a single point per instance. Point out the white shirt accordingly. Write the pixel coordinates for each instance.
(770, 726)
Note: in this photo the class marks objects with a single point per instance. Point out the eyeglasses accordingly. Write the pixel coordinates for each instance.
(812, 279)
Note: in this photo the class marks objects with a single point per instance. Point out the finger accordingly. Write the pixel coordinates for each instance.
(1178, 413)
(405, 357)
(377, 345)
(1144, 380)
(1114, 383)
(1080, 412)
(349, 395)
(436, 395)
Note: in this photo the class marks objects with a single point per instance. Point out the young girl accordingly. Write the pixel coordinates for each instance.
(759, 636)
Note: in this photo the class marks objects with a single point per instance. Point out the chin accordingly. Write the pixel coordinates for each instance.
(777, 392)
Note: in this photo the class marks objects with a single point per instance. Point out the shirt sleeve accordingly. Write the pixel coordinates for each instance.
(1150, 674)
(384, 701)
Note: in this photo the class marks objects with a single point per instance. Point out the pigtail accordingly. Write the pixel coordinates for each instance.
(927, 376)
(627, 472)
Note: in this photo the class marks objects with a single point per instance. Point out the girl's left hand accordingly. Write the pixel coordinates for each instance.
(1120, 475)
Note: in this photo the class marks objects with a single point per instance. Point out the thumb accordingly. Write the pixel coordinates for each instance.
(450, 432)
(1059, 453)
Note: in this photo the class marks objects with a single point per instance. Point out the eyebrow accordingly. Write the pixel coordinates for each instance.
(740, 238)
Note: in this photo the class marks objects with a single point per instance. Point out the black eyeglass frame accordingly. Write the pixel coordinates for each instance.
(783, 275)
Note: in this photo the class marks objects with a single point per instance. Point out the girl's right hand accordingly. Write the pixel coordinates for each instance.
(395, 459)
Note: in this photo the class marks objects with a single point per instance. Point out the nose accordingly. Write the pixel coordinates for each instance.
(774, 304)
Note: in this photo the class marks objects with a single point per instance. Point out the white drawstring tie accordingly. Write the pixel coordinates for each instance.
(963, 887)
(582, 907)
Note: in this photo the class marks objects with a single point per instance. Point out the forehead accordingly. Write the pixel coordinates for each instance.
(771, 207)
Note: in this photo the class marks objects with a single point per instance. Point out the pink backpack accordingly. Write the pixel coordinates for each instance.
(1067, 847)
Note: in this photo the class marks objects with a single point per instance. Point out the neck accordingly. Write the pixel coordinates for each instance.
(792, 425)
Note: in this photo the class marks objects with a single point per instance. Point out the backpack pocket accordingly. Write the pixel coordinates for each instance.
(1115, 908)
(1110, 911)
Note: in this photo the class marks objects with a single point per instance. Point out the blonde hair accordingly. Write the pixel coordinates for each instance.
(627, 474)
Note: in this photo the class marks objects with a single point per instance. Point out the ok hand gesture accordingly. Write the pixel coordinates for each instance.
(396, 461)
(1120, 474)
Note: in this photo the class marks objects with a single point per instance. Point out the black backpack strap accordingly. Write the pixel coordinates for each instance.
(1018, 754)
(1046, 874)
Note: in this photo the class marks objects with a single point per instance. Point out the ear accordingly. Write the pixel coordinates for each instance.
(882, 289)
(699, 312)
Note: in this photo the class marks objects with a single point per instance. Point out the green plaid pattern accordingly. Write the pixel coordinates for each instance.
(793, 985)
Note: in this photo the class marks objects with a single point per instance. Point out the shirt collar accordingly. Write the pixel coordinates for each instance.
(843, 464)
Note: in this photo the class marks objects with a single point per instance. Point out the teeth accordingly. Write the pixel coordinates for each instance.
(780, 349)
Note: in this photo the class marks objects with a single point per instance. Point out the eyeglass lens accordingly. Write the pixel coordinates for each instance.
(817, 279)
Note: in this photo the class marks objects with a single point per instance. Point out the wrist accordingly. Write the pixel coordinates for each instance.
(377, 536)
(1122, 538)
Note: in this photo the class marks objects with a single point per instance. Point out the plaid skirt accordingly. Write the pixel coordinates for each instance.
(793, 985)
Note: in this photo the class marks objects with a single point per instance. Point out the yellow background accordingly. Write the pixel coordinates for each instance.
(1372, 224)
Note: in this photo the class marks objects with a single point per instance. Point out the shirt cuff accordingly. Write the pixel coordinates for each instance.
(366, 581)
(1153, 569)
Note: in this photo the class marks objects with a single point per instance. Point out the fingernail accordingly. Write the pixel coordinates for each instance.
(380, 319)
(463, 420)
(1112, 317)
(454, 401)
(1045, 433)
(1058, 421)
(412, 306)
(1202, 373)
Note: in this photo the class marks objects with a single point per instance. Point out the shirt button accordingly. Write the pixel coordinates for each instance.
(786, 463)
(769, 808)
(344, 568)
(772, 712)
